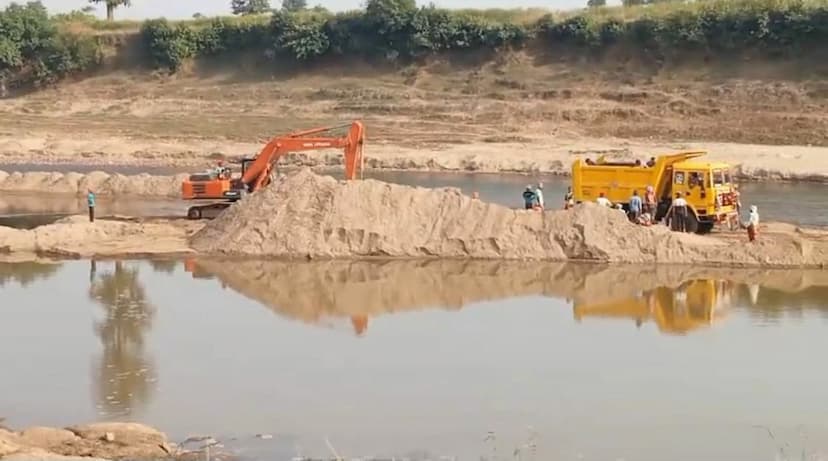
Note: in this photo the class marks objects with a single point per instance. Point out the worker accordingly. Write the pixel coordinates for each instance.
(649, 201)
(529, 197)
(603, 201)
(752, 224)
(90, 202)
(569, 199)
(635, 206)
(679, 213)
(539, 195)
(645, 219)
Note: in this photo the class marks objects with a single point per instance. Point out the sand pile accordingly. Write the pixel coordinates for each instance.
(76, 236)
(101, 183)
(307, 215)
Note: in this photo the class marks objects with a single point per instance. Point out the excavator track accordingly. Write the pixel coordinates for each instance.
(207, 211)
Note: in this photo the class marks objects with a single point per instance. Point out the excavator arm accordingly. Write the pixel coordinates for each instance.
(257, 175)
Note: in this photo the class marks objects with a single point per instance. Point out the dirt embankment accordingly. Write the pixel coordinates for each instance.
(99, 182)
(314, 291)
(310, 216)
(517, 112)
(92, 442)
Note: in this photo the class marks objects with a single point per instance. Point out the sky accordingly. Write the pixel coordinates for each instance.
(182, 9)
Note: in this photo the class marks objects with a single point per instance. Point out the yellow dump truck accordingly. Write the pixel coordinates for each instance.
(694, 305)
(707, 186)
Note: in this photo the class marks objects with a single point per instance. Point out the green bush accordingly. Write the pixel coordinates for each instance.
(388, 29)
(770, 26)
(34, 51)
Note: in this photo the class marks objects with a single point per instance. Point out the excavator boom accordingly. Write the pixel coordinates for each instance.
(256, 172)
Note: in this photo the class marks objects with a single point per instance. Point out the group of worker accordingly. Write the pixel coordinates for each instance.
(533, 198)
(642, 211)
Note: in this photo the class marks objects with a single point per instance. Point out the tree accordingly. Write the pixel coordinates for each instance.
(596, 3)
(245, 7)
(294, 5)
(111, 5)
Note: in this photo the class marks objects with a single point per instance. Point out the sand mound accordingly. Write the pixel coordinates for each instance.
(318, 216)
(101, 183)
(75, 236)
(307, 215)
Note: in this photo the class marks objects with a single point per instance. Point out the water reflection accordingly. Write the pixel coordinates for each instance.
(677, 300)
(25, 273)
(693, 305)
(125, 372)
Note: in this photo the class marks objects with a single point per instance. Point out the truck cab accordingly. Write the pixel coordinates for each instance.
(707, 186)
(708, 189)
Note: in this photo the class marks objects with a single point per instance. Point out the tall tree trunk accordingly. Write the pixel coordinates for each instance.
(110, 12)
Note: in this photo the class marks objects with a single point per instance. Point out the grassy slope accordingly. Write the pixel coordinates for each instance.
(467, 97)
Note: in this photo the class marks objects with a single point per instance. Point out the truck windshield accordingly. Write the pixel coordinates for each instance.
(721, 177)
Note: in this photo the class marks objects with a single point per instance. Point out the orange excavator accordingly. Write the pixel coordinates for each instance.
(256, 172)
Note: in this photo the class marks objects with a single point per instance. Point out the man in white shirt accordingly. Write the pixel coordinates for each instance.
(603, 201)
(539, 195)
(753, 223)
(679, 213)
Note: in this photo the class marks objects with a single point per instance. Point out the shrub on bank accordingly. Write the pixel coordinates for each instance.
(397, 29)
(36, 48)
(388, 29)
(771, 26)
(33, 50)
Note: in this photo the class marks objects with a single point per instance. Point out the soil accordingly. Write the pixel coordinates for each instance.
(98, 182)
(516, 112)
(76, 237)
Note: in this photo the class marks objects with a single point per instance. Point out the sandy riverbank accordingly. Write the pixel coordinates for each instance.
(91, 442)
(541, 156)
(310, 216)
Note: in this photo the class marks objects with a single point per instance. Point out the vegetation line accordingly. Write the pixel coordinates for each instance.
(36, 48)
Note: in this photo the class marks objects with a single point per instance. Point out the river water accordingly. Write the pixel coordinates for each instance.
(426, 360)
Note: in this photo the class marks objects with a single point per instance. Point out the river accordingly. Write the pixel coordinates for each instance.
(426, 360)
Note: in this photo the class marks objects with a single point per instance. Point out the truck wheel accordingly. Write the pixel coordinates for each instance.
(705, 227)
(692, 223)
(194, 213)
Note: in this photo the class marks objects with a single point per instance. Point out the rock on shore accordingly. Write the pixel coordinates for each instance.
(88, 443)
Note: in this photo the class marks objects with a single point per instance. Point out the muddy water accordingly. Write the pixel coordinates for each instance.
(426, 360)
